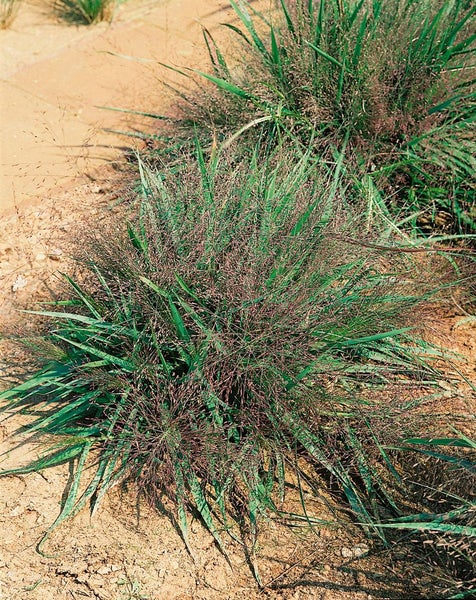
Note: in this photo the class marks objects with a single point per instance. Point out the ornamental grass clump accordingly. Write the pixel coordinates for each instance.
(231, 336)
(396, 77)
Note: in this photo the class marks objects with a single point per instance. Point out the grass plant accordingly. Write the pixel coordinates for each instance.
(8, 11)
(86, 12)
(231, 336)
(396, 77)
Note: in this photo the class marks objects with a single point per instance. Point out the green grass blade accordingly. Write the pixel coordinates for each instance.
(69, 502)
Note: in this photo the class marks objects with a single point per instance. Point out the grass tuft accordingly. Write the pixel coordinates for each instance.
(230, 337)
(85, 12)
(395, 78)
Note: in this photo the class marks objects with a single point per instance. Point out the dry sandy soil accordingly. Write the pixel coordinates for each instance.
(55, 173)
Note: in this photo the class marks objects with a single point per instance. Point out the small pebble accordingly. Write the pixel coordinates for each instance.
(17, 511)
(355, 552)
(19, 283)
(360, 550)
(173, 565)
(55, 254)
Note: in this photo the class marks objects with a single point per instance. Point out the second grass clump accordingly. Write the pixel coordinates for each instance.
(395, 77)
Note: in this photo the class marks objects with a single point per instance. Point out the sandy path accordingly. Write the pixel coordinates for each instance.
(54, 76)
